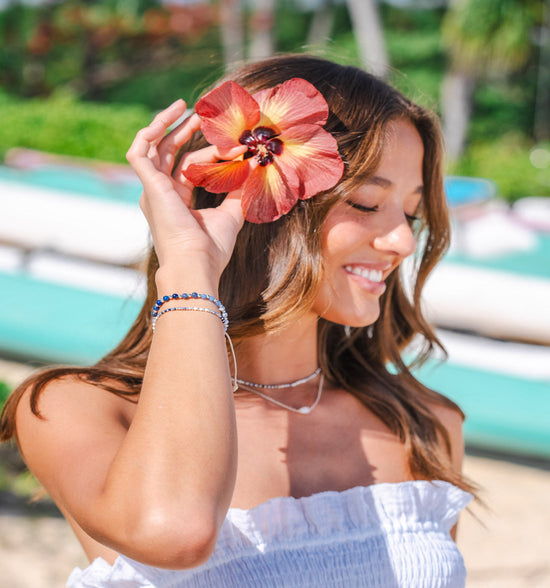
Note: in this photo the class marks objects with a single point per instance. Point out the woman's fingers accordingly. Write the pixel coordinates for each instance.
(232, 205)
(171, 142)
(167, 193)
(182, 133)
(143, 151)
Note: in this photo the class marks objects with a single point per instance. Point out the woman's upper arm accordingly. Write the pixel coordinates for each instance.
(80, 450)
(70, 447)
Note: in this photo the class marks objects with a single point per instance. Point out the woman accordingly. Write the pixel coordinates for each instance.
(330, 465)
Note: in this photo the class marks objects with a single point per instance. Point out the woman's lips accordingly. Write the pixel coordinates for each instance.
(367, 277)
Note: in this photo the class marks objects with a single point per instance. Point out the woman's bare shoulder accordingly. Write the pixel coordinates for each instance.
(75, 420)
(452, 420)
(70, 398)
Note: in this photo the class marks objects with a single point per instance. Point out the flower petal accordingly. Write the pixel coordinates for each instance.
(218, 177)
(294, 102)
(267, 195)
(310, 160)
(226, 112)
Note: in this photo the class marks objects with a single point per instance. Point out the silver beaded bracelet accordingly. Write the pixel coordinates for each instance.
(197, 308)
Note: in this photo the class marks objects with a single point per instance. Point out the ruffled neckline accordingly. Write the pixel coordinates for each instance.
(378, 488)
(324, 518)
(386, 506)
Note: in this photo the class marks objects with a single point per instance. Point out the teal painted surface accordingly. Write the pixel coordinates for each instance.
(534, 263)
(76, 181)
(463, 190)
(57, 323)
(503, 413)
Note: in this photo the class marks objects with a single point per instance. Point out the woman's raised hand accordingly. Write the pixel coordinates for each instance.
(184, 239)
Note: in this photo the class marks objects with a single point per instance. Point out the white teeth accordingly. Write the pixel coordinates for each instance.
(369, 274)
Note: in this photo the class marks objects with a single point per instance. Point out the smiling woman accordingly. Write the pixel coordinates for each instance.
(377, 213)
(280, 214)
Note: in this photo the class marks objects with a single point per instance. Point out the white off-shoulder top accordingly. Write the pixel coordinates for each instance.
(379, 536)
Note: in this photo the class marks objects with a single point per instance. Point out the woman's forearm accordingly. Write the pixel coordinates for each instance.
(172, 480)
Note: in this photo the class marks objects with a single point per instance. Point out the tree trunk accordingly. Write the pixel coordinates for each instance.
(368, 31)
(261, 25)
(232, 33)
(456, 105)
(321, 25)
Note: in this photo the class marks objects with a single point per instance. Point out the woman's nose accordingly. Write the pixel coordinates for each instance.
(396, 237)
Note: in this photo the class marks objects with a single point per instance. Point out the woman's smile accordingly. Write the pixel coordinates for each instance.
(369, 278)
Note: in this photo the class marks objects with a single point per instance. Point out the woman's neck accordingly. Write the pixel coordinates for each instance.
(281, 357)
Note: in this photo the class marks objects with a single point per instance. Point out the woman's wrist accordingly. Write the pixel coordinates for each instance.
(170, 280)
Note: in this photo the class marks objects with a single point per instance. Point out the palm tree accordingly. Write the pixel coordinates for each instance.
(491, 37)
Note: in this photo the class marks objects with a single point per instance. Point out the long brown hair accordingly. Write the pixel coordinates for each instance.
(283, 266)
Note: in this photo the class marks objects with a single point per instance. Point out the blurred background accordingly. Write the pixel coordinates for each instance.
(79, 78)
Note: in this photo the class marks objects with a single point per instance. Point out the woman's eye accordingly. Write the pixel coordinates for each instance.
(361, 207)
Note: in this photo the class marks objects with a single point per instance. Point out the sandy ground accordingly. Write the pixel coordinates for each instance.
(509, 548)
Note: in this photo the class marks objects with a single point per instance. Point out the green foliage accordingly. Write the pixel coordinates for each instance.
(63, 125)
(88, 46)
(291, 27)
(418, 63)
(503, 107)
(4, 393)
(506, 160)
(489, 36)
(197, 69)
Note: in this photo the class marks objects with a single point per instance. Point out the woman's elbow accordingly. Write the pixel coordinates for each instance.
(170, 542)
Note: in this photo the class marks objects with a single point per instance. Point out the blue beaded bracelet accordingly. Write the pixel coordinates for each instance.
(193, 296)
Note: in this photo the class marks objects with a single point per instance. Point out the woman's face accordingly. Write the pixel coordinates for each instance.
(366, 237)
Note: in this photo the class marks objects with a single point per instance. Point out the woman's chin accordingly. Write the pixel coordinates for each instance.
(363, 318)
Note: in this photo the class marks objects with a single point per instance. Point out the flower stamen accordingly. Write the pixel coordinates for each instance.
(262, 143)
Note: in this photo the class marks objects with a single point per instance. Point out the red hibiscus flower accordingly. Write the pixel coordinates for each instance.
(290, 156)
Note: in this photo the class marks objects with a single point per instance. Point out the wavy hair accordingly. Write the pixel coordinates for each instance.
(283, 265)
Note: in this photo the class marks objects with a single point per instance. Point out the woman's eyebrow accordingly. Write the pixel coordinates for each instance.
(379, 181)
(385, 183)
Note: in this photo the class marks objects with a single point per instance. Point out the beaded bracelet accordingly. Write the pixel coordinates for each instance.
(196, 308)
(193, 296)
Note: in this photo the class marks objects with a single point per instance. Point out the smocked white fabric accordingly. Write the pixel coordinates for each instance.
(379, 536)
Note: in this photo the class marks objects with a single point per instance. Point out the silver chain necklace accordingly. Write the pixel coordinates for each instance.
(301, 410)
(280, 386)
